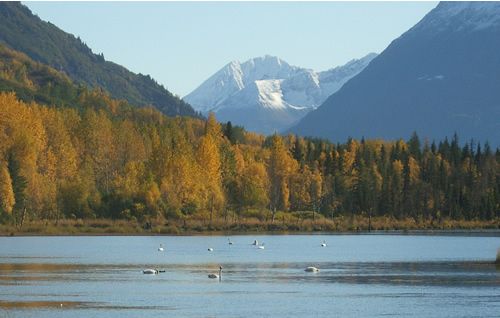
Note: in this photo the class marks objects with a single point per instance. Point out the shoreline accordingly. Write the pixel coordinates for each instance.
(422, 232)
(339, 226)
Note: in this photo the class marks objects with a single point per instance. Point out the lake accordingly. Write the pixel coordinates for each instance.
(360, 276)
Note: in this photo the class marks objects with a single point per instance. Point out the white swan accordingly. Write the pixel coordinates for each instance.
(219, 276)
(255, 242)
(160, 249)
(312, 269)
(323, 244)
(210, 249)
(150, 271)
(261, 246)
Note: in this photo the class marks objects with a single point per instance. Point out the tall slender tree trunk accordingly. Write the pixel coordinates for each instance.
(369, 220)
(23, 217)
(225, 215)
(211, 208)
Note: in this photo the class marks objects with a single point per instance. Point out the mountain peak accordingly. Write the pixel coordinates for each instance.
(453, 8)
(258, 60)
(234, 77)
(268, 58)
(460, 16)
(278, 93)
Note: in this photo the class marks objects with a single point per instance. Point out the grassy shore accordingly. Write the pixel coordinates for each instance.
(354, 224)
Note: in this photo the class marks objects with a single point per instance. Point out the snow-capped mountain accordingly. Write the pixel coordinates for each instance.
(266, 94)
(438, 78)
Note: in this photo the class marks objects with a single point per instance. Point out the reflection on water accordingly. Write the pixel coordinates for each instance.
(39, 280)
(39, 304)
(72, 305)
(415, 273)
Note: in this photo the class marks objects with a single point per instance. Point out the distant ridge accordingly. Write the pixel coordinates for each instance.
(46, 43)
(266, 94)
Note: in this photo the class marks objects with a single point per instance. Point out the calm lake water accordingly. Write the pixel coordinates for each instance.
(360, 276)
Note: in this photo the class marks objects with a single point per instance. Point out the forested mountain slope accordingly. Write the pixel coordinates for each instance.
(46, 43)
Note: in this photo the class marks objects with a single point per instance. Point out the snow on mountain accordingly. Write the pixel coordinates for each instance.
(272, 94)
(234, 77)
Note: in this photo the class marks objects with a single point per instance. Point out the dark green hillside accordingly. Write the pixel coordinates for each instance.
(36, 82)
(33, 81)
(44, 42)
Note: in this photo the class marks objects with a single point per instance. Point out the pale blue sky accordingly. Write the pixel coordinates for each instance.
(181, 44)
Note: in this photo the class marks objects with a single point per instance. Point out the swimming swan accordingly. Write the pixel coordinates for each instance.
(210, 249)
(312, 269)
(160, 249)
(323, 244)
(219, 276)
(261, 246)
(150, 271)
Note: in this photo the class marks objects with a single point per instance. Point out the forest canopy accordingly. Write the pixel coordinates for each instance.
(105, 159)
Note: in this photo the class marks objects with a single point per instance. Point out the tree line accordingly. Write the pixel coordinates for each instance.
(108, 160)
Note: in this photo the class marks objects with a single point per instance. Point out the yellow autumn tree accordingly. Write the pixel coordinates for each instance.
(253, 185)
(100, 147)
(210, 163)
(182, 185)
(280, 167)
(129, 184)
(397, 187)
(27, 149)
(316, 190)
(152, 198)
(413, 171)
(7, 199)
(348, 168)
(60, 143)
